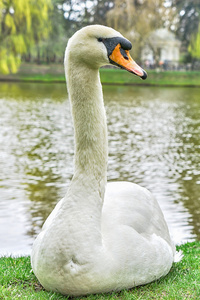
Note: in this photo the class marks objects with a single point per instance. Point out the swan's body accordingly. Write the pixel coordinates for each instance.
(100, 237)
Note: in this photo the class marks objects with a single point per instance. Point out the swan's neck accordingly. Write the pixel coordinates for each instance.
(85, 93)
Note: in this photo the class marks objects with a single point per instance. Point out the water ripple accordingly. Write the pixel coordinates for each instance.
(153, 141)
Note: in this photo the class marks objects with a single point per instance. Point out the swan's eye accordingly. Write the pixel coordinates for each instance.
(100, 39)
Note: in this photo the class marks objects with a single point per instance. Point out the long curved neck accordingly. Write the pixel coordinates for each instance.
(90, 129)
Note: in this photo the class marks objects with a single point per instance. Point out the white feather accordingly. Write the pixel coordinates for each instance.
(178, 256)
(100, 237)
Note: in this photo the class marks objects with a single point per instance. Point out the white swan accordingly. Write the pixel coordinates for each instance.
(100, 237)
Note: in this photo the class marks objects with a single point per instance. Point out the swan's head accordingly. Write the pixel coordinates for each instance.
(98, 45)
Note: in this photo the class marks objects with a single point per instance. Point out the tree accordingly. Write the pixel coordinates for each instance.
(136, 19)
(188, 19)
(22, 23)
(194, 46)
(79, 13)
(66, 17)
(100, 11)
(52, 48)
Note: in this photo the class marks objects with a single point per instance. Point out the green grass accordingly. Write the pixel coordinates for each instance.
(17, 281)
(55, 73)
(166, 78)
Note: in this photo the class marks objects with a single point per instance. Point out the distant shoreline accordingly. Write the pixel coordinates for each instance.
(54, 73)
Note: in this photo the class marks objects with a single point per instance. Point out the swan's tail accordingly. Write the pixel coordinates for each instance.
(178, 256)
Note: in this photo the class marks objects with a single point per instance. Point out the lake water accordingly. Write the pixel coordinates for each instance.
(153, 141)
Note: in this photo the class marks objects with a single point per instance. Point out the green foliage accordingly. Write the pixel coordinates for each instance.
(189, 18)
(22, 24)
(194, 46)
(38, 30)
(54, 46)
(65, 18)
(87, 12)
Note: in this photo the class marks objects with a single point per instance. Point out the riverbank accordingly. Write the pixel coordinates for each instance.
(55, 73)
(17, 281)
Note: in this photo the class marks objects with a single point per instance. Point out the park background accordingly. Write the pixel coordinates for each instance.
(36, 32)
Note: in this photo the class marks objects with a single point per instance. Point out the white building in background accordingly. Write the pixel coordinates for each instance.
(161, 46)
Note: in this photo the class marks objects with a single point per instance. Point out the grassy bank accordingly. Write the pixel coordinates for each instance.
(17, 281)
(55, 73)
(160, 78)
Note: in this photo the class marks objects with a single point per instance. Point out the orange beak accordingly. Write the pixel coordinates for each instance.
(122, 58)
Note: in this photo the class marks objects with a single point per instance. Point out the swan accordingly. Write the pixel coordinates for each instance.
(101, 236)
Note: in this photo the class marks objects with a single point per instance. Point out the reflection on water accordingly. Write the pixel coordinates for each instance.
(153, 141)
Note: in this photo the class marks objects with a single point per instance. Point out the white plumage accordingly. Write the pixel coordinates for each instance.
(101, 236)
